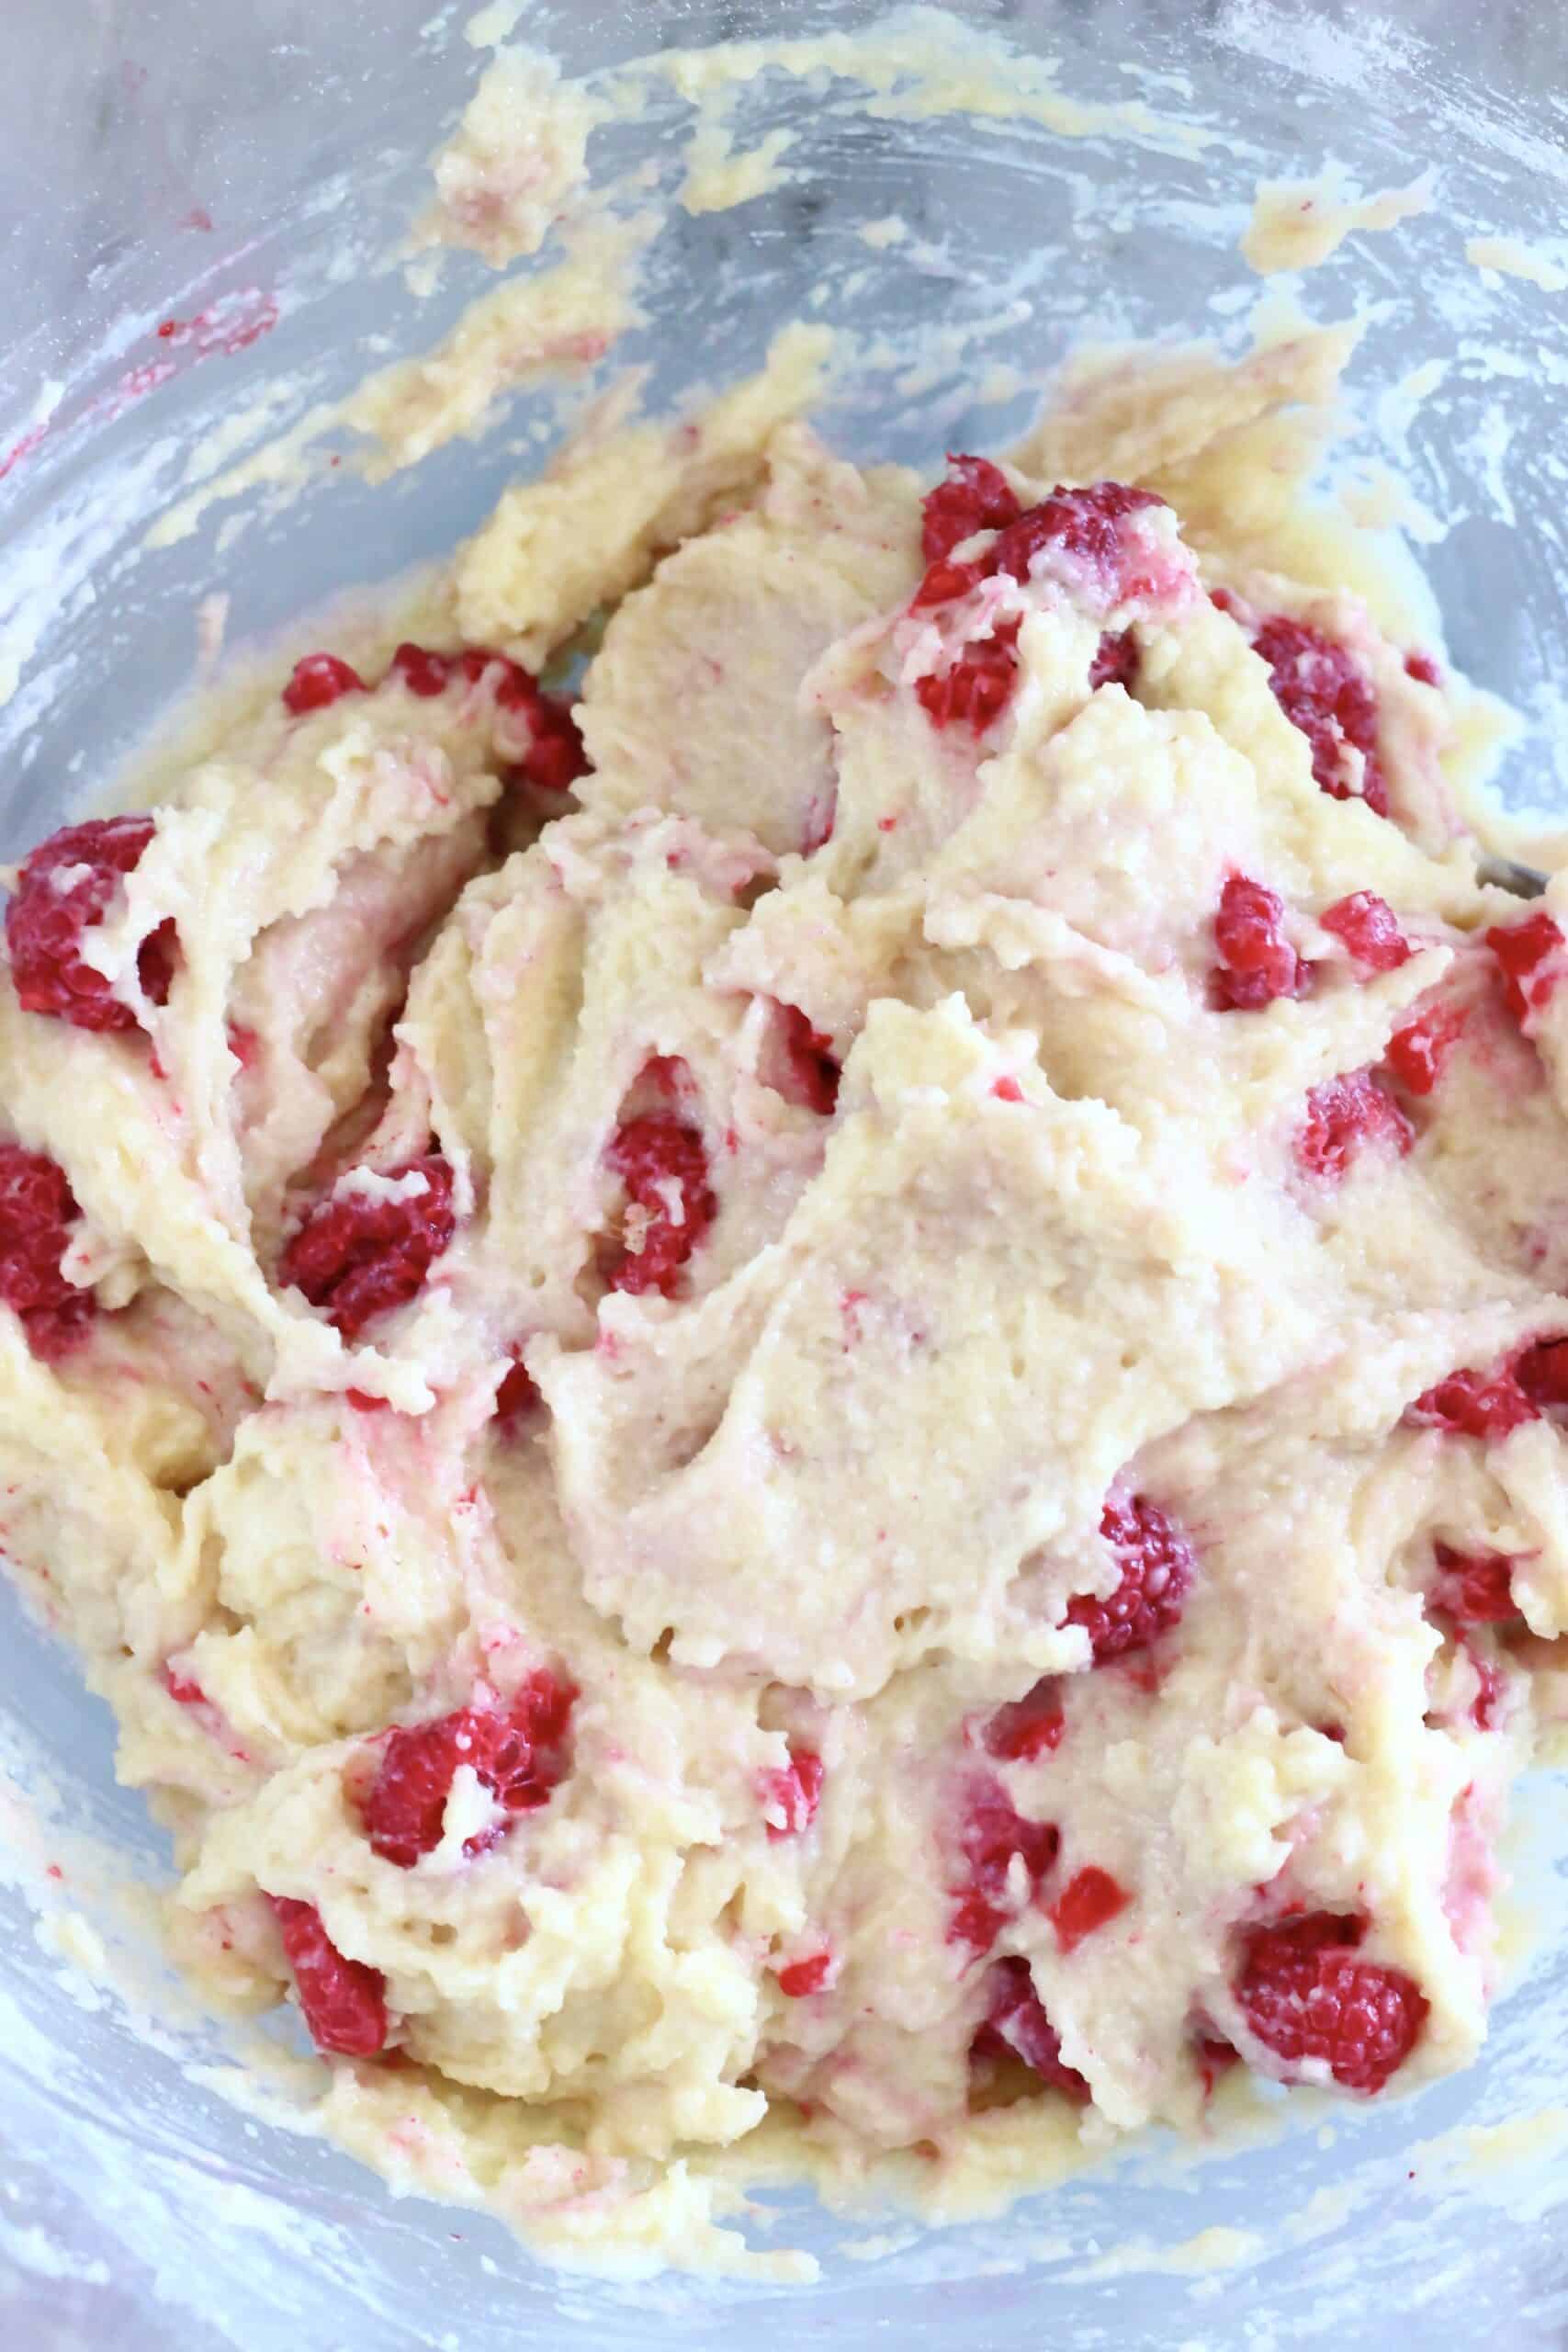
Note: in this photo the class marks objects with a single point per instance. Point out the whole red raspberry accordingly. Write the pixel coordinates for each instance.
(1321, 692)
(1474, 1588)
(792, 1789)
(1255, 961)
(811, 1070)
(993, 1831)
(1310, 1999)
(38, 1209)
(1418, 1053)
(1027, 1728)
(358, 1254)
(343, 2001)
(1529, 956)
(1116, 660)
(65, 887)
(1157, 1574)
(1369, 929)
(1090, 1898)
(518, 1752)
(1472, 1404)
(977, 687)
(1015, 2025)
(663, 1164)
(1344, 1116)
(318, 679)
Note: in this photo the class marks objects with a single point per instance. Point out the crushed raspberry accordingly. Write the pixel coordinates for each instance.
(1529, 956)
(1008, 1089)
(519, 1753)
(1320, 691)
(1423, 669)
(38, 1209)
(344, 2002)
(1472, 1404)
(1369, 929)
(1085, 525)
(803, 1976)
(1418, 1053)
(1212, 2058)
(1488, 1698)
(317, 681)
(180, 1687)
(1015, 2025)
(1257, 962)
(793, 1790)
(1116, 659)
(423, 672)
(1157, 1576)
(1541, 1372)
(979, 686)
(359, 1254)
(1307, 1997)
(1474, 1588)
(66, 887)
(977, 496)
(663, 1164)
(1343, 1117)
(1089, 1899)
(1027, 1728)
(993, 1833)
(811, 1069)
(517, 1394)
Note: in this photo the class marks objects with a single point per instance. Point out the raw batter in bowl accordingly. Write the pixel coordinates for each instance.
(819, 1410)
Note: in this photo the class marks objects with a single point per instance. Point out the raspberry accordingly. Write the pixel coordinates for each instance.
(358, 1254)
(317, 681)
(519, 1754)
(1320, 691)
(979, 684)
(992, 1834)
(36, 1210)
(1116, 659)
(421, 670)
(1089, 1899)
(1306, 1997)
(802, 1976)
(66, 887)
(664, 1166)
(1157, 1574)
(1029, 1728)
(1472, 1404)
(1344, 1116)
(793, 1790)
(1541, 1372)
(344, 2002)
(1529, 956)
(811, 1067)
(1423, 669)
(977, 496)
(1488, 1696)
(1419, 1054)
(180, 1687)
(1474, 1588)
(517, 1394)
(1369, 929)
(1085, 525)
(1257, 963)
(1016, 2025)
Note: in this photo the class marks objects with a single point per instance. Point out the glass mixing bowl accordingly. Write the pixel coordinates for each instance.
(176, 162)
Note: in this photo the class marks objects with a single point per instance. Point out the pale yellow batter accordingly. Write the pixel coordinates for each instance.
(756, 1453)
